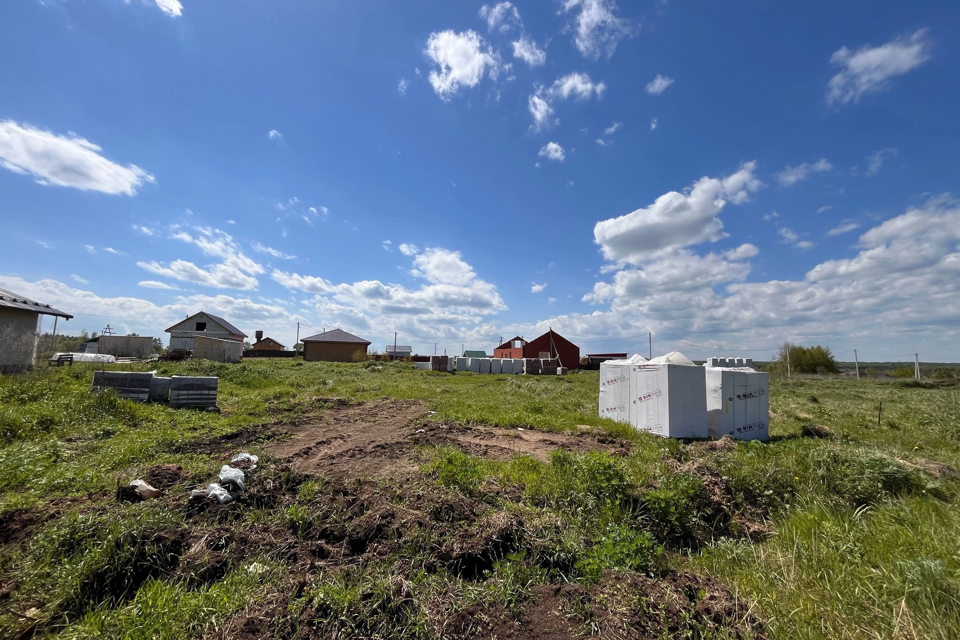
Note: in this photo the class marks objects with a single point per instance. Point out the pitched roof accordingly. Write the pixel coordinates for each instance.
(223, 323)
(13, 300)
(265, 338)
(509, 343)
(474, 354)
(336, 335)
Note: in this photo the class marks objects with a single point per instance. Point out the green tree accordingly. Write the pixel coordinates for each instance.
(816, 359)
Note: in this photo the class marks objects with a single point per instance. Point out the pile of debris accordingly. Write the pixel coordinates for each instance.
(195, 392)
(231, 482)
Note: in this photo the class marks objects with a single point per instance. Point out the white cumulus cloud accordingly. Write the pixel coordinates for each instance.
(526, 49)
(658, 85)
(502, 17)
(540, 111)
(537, 288)
(461, 59)
(871, 69)
(612, 129)
(409, 249)
(552, 151)
(172, 8)
(597, 31)
(676, 219)
(65, 161)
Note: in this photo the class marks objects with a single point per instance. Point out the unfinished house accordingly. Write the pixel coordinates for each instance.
(204, 325)
(335, 345)
(19, 318)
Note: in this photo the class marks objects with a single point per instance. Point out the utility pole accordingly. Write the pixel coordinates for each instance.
(394, 346)
(298, 337)
(788, 361)
(55, 318)
(434, 348)
(856, 363)
(650, 339)
(916, 365)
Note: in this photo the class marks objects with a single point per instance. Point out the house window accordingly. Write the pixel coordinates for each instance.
(201, 326)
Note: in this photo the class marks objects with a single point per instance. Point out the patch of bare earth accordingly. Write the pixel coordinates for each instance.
(623, 605)
(379, 439)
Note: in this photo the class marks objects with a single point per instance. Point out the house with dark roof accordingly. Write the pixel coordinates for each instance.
(202, 325)
(19, 317)
(335, 345)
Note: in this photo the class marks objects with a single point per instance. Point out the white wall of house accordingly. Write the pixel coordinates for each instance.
(182, 335)
(18, 339)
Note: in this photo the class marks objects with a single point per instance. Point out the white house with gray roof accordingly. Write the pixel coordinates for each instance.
(203, 325)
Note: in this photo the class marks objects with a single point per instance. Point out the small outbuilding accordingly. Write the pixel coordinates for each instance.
(205, 325)
(335, 345)
(19, 318)
(217, 349)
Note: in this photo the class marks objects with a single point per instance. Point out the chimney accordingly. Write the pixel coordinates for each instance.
(259, 335)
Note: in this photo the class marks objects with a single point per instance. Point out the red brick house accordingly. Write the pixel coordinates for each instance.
(549, 345)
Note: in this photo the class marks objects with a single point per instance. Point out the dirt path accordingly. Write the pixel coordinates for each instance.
(379, 438)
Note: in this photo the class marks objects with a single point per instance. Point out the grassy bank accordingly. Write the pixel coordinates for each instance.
(839, 527)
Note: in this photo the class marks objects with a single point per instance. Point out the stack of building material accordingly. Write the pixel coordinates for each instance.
(669, 399)
(531, 366)
(738, 400)
(729, 363)
(473, 365)
(562, 371)
(126, 384)
(461, 364)
(160, 389)
(439, 363)
(615, 388)
(549, 366)
(193, 391)
(496, 365)
(484, 364)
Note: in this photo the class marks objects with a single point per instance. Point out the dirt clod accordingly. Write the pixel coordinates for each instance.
(164, 476)
(816, 431)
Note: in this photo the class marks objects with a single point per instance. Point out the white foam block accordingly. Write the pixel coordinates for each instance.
(669, 400)
(738, 403)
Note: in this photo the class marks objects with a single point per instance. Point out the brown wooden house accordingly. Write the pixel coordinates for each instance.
(266, 344)
(335, 345)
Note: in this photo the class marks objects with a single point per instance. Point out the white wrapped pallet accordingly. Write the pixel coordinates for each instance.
(738, 402)
(462, 364)
(474, 365)
(425, 366)
(669, 399)
(496, 365)
(615, 389)
(484, 365)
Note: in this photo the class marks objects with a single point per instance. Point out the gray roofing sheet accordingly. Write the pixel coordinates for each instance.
(336, 335)
(13, 300)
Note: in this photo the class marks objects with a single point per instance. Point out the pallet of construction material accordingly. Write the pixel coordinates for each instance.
(193, 392)
(160, 389)
(496, 365)
(126, 384)
(562, 371)
(461, 364)
(439, 363)
(531, 366)
(549, 367)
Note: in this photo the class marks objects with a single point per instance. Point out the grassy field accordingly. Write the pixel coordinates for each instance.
(839, 527)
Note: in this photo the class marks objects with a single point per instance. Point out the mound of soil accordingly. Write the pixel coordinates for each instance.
(164, 476)
(378, 439)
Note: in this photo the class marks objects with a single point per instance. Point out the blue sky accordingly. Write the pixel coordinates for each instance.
(722, 176)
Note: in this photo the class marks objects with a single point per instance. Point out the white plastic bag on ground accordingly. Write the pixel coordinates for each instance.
(244, 460)
(144, 490)
(231, 476)
(216, 492)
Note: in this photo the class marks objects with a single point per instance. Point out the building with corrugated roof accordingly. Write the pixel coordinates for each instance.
(335, 345)
(19, 318)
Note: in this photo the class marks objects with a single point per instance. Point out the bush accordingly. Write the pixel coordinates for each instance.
(818, 360)
(621, 548)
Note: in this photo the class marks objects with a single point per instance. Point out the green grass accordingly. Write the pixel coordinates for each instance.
(850, 535)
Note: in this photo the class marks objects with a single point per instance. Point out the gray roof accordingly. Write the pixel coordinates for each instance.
(336, 335)
(223, 323)
(13, 300)
(226, 325)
